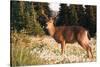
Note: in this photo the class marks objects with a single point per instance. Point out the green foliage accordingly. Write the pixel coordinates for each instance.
(25, 16)
(91, 18)
(73, 15)
(33, 25)
(63, 15)
(15, 16)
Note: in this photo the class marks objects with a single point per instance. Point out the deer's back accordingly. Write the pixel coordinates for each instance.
(68, 33)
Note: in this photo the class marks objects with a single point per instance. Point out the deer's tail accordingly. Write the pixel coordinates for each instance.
(88, 35)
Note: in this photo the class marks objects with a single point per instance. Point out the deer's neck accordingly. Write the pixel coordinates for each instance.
(52, 30)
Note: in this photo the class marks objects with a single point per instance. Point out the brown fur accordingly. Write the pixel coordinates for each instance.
(70, 34)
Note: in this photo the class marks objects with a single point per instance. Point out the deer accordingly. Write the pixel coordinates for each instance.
(69, 34)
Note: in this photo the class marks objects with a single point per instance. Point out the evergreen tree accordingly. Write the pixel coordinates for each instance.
(16, 19)
(73, 15)
(25, 16)
(32, 24)
(82, 21)
(63, 17)
(91, 18)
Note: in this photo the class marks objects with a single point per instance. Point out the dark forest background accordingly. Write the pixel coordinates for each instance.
(26, 17)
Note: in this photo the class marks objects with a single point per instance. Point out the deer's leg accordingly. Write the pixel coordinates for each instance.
(62, 47)
(88, 49)
(84, 42)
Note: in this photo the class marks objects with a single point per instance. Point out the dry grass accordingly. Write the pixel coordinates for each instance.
(20, 51)
(31, 50)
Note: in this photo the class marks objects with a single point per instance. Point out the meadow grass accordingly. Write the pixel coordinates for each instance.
(20, 51)
(32, 50)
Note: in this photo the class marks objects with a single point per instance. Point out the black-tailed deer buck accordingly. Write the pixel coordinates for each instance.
(69, 34)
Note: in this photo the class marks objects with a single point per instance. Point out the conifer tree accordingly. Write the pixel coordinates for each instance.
(63, 17)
